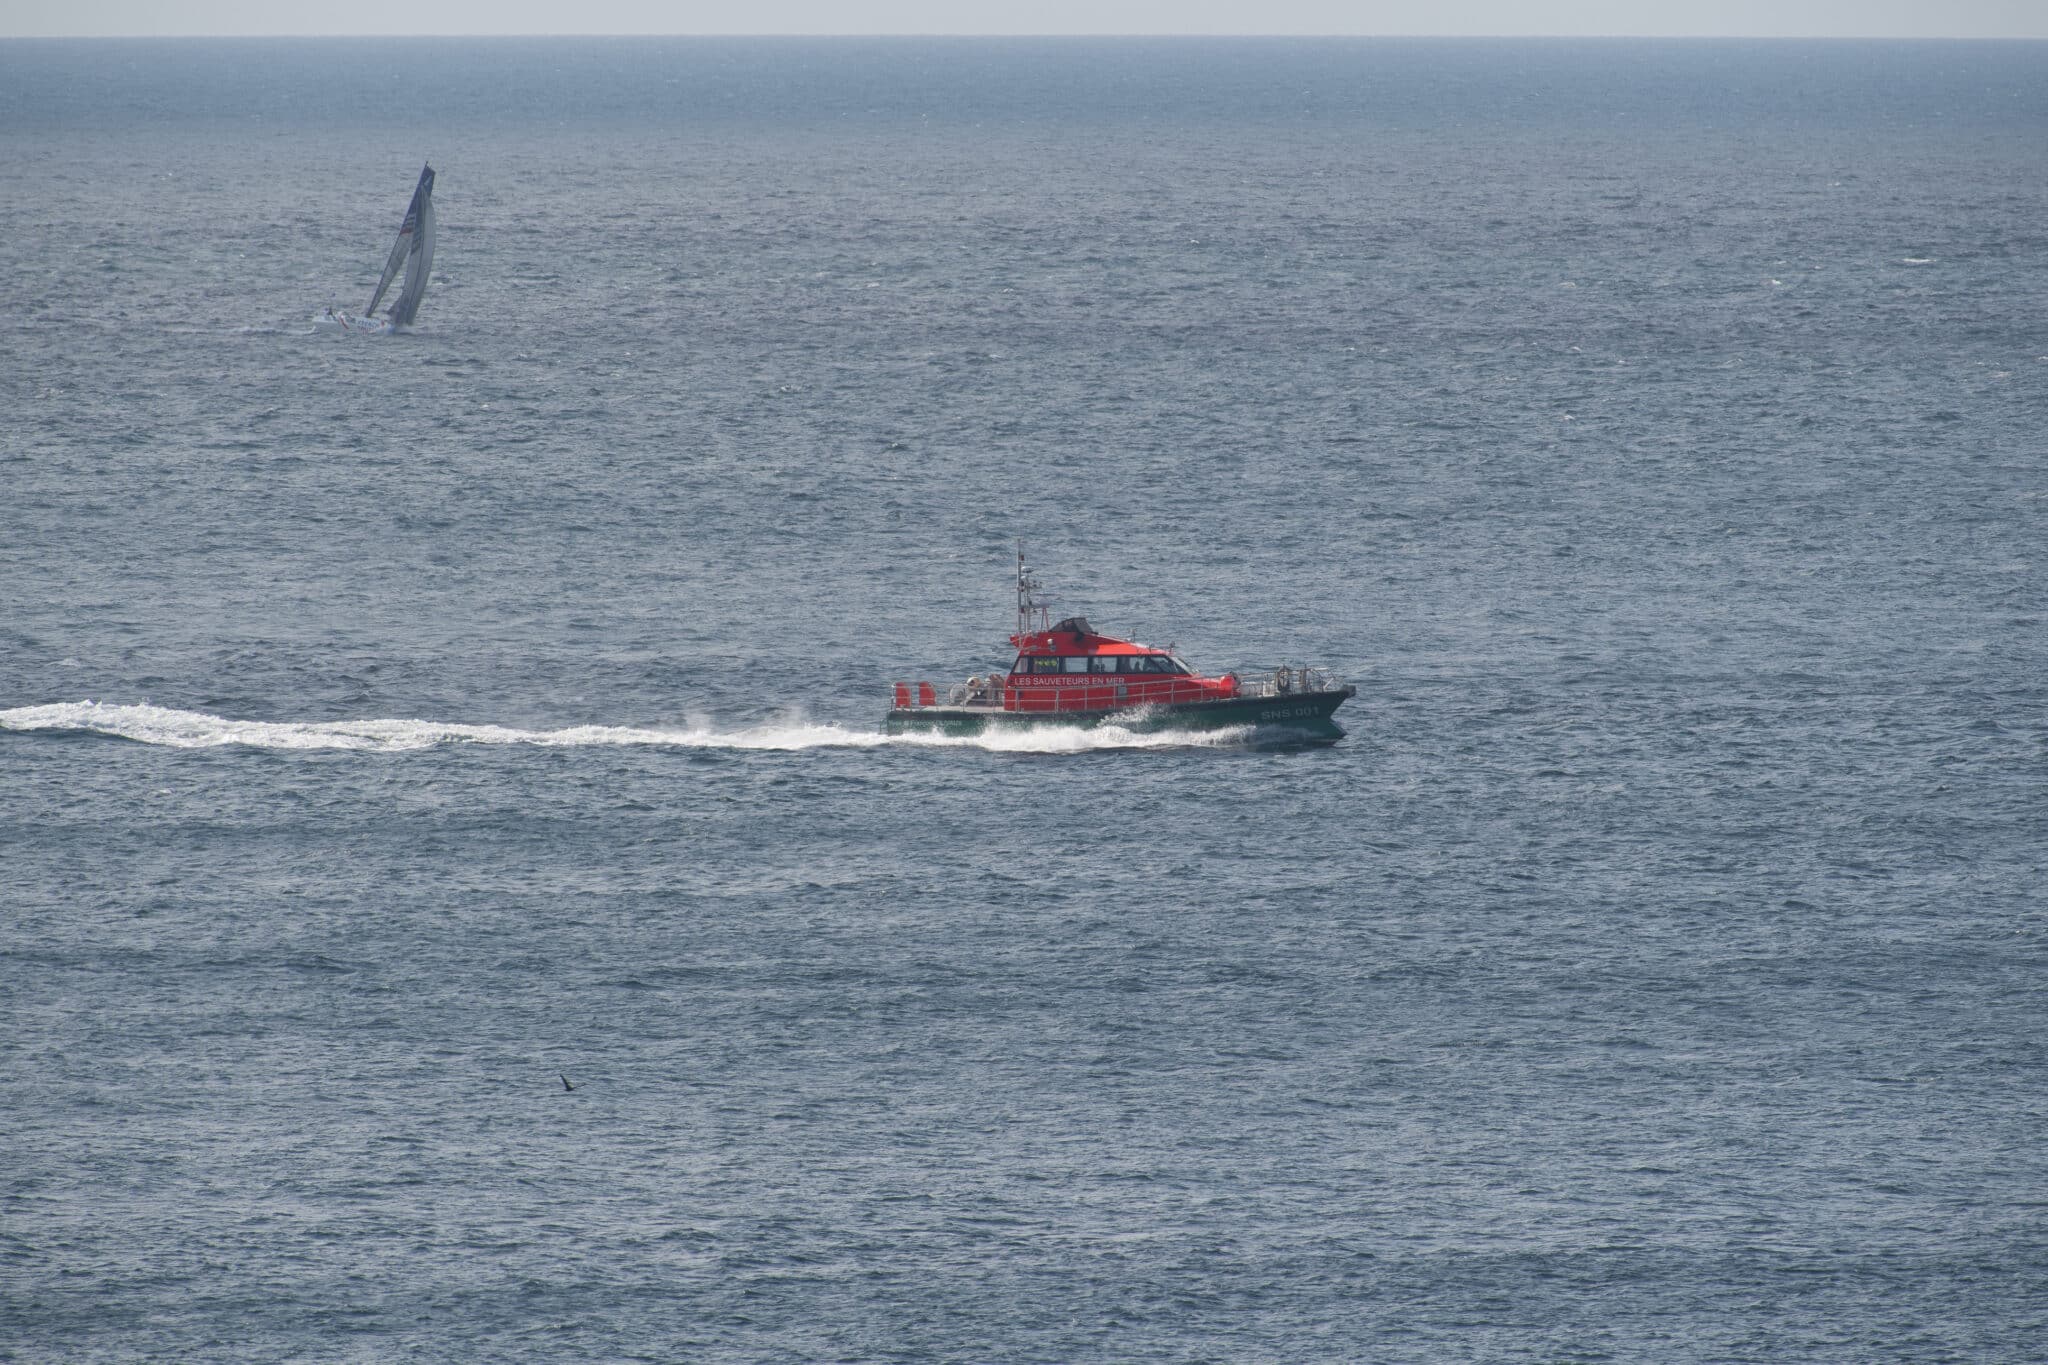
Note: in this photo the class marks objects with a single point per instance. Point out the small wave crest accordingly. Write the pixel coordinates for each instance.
(197, 730)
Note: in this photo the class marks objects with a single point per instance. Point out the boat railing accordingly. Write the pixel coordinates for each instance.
(1289, 680)
(1098, 695)
(997, 694)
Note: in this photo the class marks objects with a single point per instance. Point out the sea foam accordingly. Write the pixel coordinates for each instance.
(177, 729)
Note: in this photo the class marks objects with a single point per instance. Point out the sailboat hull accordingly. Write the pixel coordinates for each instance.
(341, 322)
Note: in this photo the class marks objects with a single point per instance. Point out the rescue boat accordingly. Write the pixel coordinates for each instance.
(1068, 673)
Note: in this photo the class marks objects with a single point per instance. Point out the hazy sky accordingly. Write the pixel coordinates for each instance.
(1761, 18)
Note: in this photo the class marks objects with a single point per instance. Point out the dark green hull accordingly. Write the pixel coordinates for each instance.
(1293, 717)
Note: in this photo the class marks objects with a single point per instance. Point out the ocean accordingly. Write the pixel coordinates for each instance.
(398, 731)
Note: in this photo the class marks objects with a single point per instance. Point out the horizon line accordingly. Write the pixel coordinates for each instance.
(927, 34)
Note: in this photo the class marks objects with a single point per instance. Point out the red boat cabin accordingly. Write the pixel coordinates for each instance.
(1071, 668)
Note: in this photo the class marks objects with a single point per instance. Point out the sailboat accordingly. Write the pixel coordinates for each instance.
(413, 252)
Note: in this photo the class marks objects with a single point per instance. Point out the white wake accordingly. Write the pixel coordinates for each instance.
(197, 730)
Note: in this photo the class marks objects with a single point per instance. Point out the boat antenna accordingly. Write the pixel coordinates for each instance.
(1033, 611)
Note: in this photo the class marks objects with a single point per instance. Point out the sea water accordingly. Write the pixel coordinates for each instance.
(395, 731)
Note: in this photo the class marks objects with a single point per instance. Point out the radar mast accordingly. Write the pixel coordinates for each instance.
(1034, 613)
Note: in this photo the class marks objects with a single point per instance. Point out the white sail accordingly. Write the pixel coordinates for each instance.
(414, 249)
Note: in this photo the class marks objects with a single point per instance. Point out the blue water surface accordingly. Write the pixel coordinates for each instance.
(393, 728)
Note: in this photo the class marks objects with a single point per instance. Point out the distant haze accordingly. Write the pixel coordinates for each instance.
(1563, 18)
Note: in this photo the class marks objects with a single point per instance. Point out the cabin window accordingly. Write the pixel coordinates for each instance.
(1102, 663)
(1044, 664)
(1077, 663)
